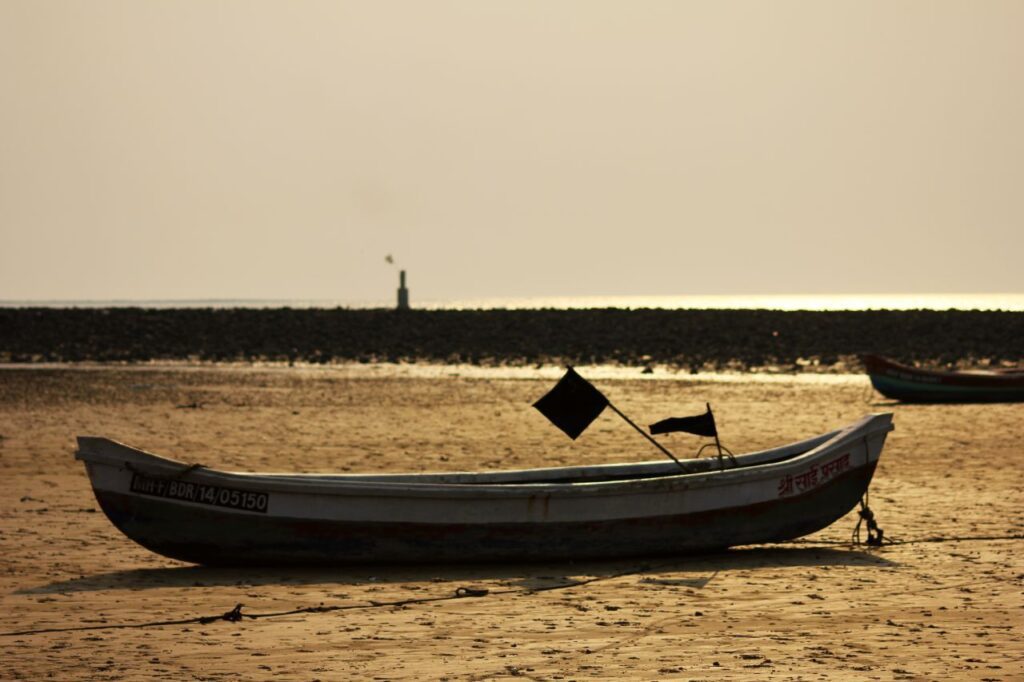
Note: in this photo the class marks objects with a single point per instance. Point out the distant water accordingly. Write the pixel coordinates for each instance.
(1012, 302)
(765, 302)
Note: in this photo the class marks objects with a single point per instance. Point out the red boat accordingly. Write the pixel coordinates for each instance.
(914, 384)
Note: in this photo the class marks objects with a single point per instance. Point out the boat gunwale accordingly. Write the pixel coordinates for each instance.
(971, 379)
(148, 464)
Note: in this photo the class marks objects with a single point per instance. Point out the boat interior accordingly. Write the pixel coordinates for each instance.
(586, 474)
(102, 449)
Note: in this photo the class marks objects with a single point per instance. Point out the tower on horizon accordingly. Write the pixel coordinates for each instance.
(403, 293)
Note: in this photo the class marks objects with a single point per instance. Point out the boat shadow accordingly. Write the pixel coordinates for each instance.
(526, 576)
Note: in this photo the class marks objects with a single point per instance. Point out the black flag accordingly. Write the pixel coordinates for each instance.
(701, 425)
(572, 404)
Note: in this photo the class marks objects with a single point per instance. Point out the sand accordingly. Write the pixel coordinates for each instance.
(944, 603)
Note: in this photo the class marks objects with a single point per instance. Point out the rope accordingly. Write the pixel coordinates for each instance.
(876, 536)
(235, 615)
(232, 616)
(933, 539)
(732, 457)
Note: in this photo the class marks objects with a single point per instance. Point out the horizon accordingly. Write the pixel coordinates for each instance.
(786, 302)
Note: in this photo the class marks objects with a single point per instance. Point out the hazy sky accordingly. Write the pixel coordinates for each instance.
(251, 149)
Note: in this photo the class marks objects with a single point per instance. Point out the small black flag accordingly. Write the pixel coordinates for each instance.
(572, 404)
(701, 425)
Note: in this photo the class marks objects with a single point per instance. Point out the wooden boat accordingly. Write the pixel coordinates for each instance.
(204, 516)
(913, 384)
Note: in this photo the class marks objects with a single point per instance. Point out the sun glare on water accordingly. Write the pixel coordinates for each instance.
(757, 301)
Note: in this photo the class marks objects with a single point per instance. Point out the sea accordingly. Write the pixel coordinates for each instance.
(1008, 302)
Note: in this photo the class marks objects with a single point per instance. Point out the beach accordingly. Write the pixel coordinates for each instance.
(942, 602)
(367, 242)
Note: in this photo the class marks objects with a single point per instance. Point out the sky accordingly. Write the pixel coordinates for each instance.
(280, 150)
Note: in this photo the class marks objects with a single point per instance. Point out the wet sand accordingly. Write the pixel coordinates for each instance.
(943, 603)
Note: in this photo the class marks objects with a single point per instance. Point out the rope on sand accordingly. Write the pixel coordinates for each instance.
(235, 615)
(932, 539)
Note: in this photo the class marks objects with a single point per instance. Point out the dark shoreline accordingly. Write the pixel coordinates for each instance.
(694, 339)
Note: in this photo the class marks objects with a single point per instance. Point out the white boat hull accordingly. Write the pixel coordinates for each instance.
(651, 508)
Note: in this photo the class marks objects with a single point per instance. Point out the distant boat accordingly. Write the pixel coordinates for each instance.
(204, 516)
(913, 384)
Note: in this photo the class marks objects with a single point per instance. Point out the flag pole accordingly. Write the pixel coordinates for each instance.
(645, 435)
(718, 443)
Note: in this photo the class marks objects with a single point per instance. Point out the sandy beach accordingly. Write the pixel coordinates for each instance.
(364, 237)
(943, 602)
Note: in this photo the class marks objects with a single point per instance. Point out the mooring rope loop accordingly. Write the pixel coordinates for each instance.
(232, 616)
(876, 536)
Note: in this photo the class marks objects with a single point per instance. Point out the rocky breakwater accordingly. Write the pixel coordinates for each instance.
(695, 339)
